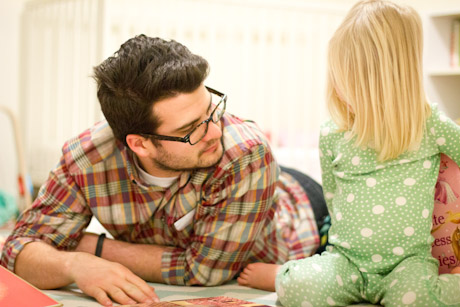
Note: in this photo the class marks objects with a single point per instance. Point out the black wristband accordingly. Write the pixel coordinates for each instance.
(100, 241)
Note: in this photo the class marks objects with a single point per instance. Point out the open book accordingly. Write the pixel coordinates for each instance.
(14, 291)
(207, 301)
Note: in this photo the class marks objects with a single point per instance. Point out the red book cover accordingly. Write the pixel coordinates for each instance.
(14, 291)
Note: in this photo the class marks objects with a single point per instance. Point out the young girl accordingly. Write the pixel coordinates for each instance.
(380, 161)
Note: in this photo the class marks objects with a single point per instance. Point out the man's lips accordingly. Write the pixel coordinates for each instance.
(212, 148)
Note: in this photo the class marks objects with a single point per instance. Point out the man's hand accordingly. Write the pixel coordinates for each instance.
(144, 260)
(103, 280)
(47, 268)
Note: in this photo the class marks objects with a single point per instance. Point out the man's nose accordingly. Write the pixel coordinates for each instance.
(214, 131)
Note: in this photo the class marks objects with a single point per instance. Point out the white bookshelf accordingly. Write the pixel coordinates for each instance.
(442, 80)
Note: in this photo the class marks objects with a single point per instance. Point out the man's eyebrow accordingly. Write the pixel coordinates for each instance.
(189, 125)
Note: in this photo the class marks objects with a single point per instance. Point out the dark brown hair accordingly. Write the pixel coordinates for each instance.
(143, 71)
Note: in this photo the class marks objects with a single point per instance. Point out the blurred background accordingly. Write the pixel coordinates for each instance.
(268, 56)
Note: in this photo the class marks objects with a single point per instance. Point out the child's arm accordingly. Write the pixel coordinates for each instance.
(326, 158)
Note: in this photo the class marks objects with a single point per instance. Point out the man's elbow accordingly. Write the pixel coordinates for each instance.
(208, 279)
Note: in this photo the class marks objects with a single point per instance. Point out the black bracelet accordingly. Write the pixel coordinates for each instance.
(100, 241)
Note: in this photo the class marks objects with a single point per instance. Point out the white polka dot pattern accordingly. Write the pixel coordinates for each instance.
(375, 207)
(381, 216)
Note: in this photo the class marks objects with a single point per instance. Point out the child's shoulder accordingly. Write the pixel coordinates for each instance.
(330, 129)
(436, 113)
(329, 123)
(437, 117)
(330, 134)
(329, 126)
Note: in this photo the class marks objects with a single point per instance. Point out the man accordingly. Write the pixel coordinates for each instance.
(191, 194)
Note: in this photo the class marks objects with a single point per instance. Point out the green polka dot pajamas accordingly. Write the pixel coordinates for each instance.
(381, 221)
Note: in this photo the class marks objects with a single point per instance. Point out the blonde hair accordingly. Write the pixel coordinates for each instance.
(375, 80)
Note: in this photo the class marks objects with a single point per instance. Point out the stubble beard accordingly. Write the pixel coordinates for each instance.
(170, 163)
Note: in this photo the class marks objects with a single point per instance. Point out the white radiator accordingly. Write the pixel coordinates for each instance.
(268, 56)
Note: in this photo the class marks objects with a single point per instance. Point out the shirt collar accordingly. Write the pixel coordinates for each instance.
(135, 177)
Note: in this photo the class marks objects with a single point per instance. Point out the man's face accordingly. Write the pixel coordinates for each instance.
(179, 115)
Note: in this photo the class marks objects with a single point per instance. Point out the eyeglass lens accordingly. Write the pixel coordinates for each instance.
(217, 114)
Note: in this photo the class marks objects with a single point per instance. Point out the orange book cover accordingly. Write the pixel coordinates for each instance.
(14, 291)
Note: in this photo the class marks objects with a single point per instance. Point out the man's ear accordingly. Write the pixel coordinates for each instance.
(141, 146)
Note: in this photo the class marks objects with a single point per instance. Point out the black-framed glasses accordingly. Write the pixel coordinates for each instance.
(198, 133)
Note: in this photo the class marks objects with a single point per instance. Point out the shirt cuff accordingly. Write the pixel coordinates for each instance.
(173, 267)
(12, 248)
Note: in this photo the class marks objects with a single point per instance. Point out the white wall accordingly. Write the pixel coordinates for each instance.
(10, 12)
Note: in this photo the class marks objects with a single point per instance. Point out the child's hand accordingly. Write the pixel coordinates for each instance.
(455, 270)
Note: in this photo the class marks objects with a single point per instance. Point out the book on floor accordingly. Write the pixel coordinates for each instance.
(205, 301)
(14, 291)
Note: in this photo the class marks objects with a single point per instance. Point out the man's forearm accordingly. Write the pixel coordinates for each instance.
(144, 260)
(50, 266)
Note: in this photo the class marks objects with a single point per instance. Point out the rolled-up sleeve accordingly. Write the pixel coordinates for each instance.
(57, 217)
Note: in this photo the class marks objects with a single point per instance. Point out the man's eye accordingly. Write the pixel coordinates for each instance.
(190, 130)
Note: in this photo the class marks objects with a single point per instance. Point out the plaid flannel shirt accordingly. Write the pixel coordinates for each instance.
(244, 210)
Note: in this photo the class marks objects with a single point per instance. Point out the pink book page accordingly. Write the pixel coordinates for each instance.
(446, 216)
